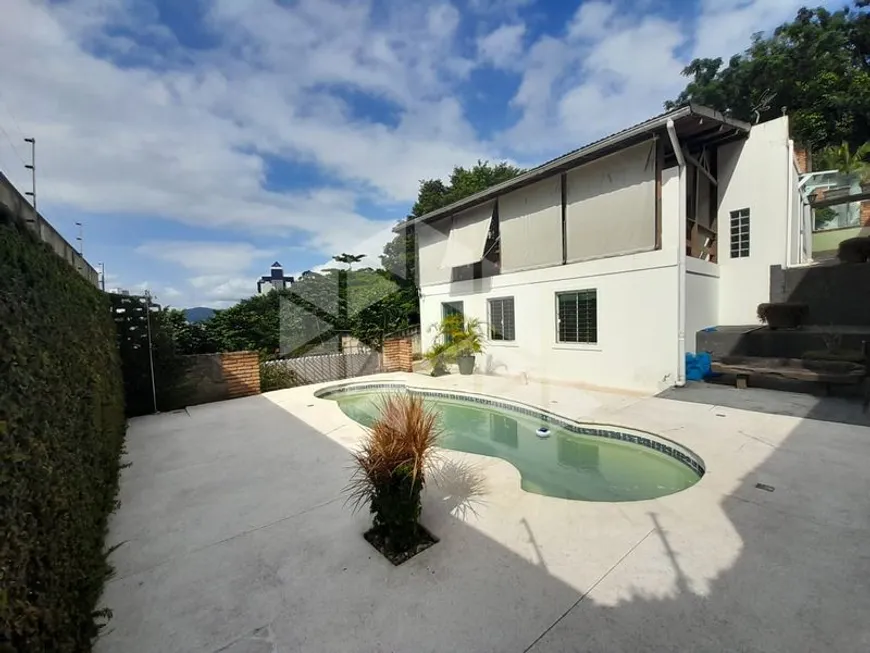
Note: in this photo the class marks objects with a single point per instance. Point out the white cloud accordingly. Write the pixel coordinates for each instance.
(497, 6)
(208, 257)
(591, 19)
(724, 27)
(187, 135)
(503, 45)
(185, 140)
(611, 69)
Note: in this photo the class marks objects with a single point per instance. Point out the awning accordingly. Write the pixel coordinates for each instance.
(467, 239)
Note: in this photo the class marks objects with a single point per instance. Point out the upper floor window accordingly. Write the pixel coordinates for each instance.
(577, 316)
(502, 324)
(740, 233)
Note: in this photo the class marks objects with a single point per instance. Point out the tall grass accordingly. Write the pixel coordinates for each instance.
(390, 469)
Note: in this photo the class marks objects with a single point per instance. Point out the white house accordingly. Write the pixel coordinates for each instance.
(600, 266)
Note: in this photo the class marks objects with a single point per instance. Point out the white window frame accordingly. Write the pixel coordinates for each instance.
(491, 322)
(740, 230)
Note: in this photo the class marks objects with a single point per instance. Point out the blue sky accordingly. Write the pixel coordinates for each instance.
(199, 141)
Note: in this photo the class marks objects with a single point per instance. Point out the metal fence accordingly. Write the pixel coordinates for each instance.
(317, 368)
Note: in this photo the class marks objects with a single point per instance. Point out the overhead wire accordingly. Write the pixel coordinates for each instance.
(14, 149)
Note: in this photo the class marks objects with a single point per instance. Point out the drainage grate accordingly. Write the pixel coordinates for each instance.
(765, 487)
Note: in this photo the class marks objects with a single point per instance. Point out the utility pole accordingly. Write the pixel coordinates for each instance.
(102, 276)
(150, 350)
(32, 168)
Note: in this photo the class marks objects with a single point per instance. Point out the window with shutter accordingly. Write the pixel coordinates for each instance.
(502, 323)
(577, 316)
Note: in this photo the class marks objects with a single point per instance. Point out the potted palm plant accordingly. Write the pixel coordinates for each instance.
(466, 343)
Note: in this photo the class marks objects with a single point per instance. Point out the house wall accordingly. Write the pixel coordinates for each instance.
(754, 174)
(702, 298)
(637, 315)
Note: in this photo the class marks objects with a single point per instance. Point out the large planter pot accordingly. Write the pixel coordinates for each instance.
(466, 364)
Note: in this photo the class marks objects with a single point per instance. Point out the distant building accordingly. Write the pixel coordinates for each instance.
(275, 281)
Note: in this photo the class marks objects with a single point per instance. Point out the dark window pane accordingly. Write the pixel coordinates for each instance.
(578, 317)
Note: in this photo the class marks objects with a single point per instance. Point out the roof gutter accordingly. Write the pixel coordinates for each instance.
(681, 256)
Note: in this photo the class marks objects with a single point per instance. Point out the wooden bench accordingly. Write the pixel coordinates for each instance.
(825, 372)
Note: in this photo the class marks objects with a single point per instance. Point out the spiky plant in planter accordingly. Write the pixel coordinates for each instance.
(390, 474)
(438, 357)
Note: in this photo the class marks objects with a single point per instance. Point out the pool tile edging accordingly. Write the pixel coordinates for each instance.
(626, 434)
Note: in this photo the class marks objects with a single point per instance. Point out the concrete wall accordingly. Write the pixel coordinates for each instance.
(825, 243)
(216, 377)
(835, 294)
(753, 174)
(15, 203)
(702, 298)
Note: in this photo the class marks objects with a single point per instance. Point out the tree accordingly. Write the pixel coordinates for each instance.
(189, 337)
(816, 67)
(845, 159)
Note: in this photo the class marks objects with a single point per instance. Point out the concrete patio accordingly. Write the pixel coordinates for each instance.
(236, 539)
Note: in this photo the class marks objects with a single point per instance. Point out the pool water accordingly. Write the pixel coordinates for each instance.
(566, 465)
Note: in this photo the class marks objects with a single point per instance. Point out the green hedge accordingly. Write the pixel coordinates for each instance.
(61, 433)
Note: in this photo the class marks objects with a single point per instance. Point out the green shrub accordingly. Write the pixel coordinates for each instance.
(61, 434)
(276, 375)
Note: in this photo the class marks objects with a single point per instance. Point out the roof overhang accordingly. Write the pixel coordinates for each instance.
(696, 126)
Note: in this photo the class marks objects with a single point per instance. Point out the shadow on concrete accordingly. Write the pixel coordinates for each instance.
(238, 541)
(774, 397)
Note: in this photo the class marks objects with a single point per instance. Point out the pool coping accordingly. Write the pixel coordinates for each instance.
(628, 434)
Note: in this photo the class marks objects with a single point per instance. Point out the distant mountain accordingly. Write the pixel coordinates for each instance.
(198, 313)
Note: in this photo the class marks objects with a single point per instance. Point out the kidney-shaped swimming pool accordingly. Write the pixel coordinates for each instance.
(555, 456)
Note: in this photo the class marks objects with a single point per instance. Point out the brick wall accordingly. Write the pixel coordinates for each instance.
(802, 159)
(397, 356)
(242, 373)
(216, 377)
(865, 214)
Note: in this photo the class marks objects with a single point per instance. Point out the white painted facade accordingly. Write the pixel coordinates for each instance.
(638, 311)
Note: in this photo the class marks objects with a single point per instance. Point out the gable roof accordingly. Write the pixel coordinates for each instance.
(701, 125)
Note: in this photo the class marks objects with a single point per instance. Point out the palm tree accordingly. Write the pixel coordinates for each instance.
(349, 259)
(843, 159)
